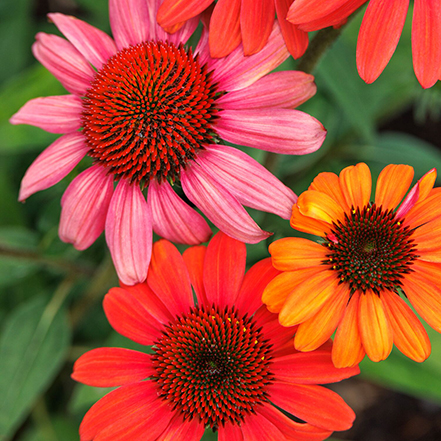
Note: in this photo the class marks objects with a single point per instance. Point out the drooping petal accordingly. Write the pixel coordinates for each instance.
(84, 207)
(426, 42)
(130, 22)
(178, 429)
(129, 317)
(55, 114)
(303, 401)
(375, 331)
(225, 33)
(392, 185)
(173, 219)
(236, 71)
(256, 24)
(410, 337)
(64, 62)
(307, 298)
(378, 37)
(348, 349)
(329, 184)
(292, 253)
(107, 367)
(356, 185)
(286, 131)
(172, 12)
(251, 183)
(224, 269)
(194, 258)
(315, 331)
(53, 164)
(129, 233)
(219, 205)
(169, 279)
(95, 45)
(287, 90)
(320, 206)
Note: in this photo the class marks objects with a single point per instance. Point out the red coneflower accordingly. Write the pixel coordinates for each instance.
(371, 256)
(221, 362)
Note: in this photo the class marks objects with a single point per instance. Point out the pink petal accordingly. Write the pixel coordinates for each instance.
(130, 22)
(84, 207)
(248, 181)
(183, 33)
(378, 37)
(219, 205)
(55, 114)
(53, 164)
(426, 41)
(224, 268)
(107, 367)
(129, 317)
(279, 89)
(173, 219)
(64, 62)
(286, 131)
(129, 233)
(169, 279)
(237, 71)
(95, 45)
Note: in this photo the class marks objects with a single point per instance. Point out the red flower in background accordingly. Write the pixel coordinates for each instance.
(380, 31)
(222, 361)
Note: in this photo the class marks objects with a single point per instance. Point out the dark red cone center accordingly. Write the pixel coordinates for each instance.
(371, 250)
(148, 111)
(213, 364)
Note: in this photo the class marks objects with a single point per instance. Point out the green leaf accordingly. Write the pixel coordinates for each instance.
(33, 347)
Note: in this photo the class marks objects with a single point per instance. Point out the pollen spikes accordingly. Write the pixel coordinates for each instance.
(148, 112)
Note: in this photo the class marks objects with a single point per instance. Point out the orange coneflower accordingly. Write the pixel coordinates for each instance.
(371, 257)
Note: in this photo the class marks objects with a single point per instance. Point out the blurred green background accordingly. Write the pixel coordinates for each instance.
(50, 301)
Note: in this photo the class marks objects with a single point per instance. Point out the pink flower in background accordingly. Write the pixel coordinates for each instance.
(151, 114)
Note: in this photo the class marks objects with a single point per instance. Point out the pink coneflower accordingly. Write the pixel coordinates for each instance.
(222, 361)
(151, 114)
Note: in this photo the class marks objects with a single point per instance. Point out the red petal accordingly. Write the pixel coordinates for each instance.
(194, 259)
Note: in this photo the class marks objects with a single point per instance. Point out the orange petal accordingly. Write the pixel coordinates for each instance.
(348, 350)
(329, 184)
(424, 211)
(375, 331)
(307, 224)
(410, 337)
(425, 297)
(308, 297)
(320, 206)
(292, 253)
(428, 236)
(315, 331)
(277, 291)
(429, 271)
(392, 185)
(356, 184)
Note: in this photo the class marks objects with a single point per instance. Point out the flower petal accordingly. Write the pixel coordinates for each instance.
(255, 425)
(64, 62)
(410, 337)
(285, 90)
(95, 45)
(348, 350)
(84, 207)
(168, 278)
(55, 114)
(356, 184)
(173, 219)
(224, 269)
(378, 37)
(53, 164)
(286, 131)
(129, 233)
(251, 183)
(219, 205)
(303, 11)
(129, 317)
(316, 405)
(172, 12)
(178, 429)
(375, 331)
(230, 432)
(292, 253)
(392, 185)
(426, 42)
(308, 224)
(107, 367)
(320, 206)
(194, 260)
(329, 184)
